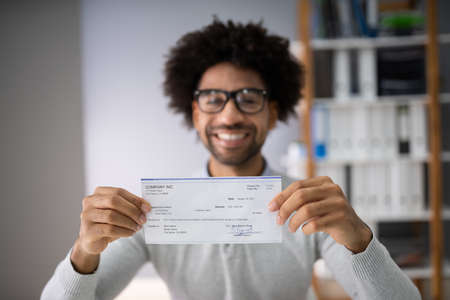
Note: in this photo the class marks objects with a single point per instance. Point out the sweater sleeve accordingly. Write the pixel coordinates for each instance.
(118, 264)
(371, 274)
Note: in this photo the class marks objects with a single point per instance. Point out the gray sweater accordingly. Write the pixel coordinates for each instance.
(237, 271)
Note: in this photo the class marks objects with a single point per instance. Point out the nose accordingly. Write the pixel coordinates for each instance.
(230, 114)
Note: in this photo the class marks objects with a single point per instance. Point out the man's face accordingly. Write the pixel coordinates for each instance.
(231, 136)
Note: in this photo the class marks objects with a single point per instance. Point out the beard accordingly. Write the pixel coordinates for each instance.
(234, 157)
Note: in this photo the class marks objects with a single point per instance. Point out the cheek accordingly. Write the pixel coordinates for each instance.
(202, 123)
(262, 126)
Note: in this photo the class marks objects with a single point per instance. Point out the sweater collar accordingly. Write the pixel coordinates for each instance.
(266, 172)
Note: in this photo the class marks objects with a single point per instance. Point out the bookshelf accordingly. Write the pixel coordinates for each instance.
(379, 42)
(435, 268)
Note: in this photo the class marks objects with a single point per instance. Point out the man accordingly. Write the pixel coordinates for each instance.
(232, 82)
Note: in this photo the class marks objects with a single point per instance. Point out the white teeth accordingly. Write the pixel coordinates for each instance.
(230, 137)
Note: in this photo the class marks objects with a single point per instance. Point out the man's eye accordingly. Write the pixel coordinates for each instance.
(213, 101)
(249, 101)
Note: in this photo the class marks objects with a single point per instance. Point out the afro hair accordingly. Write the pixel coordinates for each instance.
(244, 45)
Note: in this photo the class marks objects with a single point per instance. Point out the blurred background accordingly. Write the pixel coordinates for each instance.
(81, 105)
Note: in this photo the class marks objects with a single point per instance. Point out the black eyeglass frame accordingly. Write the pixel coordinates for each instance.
(232, 95)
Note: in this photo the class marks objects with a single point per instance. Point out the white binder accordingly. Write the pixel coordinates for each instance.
(367, 74)
(341, 75)
(418, 124)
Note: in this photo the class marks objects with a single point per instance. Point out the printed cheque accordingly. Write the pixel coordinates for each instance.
(211, 210)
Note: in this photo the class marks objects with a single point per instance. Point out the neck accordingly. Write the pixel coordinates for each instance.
(253, 167)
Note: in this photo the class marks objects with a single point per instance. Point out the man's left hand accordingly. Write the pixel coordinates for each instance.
(321, 206)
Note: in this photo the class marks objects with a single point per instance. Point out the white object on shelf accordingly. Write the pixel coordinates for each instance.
(378, 42)
(400, 189)
(389, 216)
(367, 74)
(418, 125)
(378, 133)
(361, 132)
(341, 75)
(389, 142)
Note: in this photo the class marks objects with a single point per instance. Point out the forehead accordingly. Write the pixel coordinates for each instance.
(226, 76)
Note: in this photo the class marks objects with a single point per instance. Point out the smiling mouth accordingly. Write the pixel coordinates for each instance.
(231, 140)
(231, 136)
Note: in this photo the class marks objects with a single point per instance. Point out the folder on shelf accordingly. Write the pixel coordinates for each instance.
(367, 74)
(387, 205)
(320, 118)
(341, 72)
(377, 132)
(417, 203)
(333, 144)
(373, 185)
(389, 147)
(358, 189)
(403, 129)
(418, 126)
(361, 132)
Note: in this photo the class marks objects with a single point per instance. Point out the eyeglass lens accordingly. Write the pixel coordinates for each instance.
(247, 100)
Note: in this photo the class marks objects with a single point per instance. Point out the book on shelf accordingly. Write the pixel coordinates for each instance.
(401, 71)
(344, 18)
(365, 18)
(366, 73)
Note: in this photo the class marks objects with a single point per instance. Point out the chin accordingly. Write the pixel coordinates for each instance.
(235, 159)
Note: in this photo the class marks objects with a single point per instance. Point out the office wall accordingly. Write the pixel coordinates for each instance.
(41, 152)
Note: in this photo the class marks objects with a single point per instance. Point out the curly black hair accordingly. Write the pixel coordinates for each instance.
(244, 45)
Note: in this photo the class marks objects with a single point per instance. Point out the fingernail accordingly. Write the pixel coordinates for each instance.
(272, 206)
(139, 227)
(279, 220)
(145, 207)
(142, 219)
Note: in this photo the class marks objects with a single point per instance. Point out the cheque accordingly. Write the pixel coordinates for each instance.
(211, 210)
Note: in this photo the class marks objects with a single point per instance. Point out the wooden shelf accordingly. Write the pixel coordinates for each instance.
(381, 100)
(377, 42)
(425, 272)
(341, 162)
(445, 157)
(410, 217)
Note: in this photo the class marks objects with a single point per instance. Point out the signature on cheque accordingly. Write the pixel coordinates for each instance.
(242, 230)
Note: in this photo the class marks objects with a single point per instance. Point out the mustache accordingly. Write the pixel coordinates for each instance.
(238, 126)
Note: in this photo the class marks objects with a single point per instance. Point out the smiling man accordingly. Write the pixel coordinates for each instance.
(232, 82)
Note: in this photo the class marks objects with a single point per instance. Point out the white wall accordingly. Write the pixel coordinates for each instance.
(41, 145)
(129, 131)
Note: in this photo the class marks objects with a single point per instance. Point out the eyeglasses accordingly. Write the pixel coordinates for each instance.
(247, 100)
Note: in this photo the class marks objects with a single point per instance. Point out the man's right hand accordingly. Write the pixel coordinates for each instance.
(108, 214)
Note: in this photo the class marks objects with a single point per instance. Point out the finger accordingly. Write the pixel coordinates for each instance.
(279, 199)
(107, 230)
(118, 203)
(309, 211)
(320, 224)
(300, 198)
(137, 201)
(109, 216)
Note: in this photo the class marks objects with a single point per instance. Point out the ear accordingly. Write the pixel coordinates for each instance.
(273, 114)
(195, 112)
